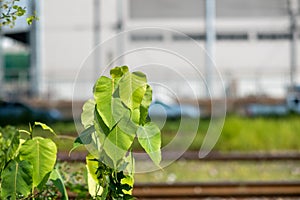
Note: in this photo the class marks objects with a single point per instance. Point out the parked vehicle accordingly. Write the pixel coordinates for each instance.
(293, 103)
(293, 98)
(17, 113)
(159, 109)
(266, 110)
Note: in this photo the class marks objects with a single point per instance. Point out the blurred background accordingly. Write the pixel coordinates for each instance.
(254, 45)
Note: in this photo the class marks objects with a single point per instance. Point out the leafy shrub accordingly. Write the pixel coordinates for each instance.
(113, 120)
(27, 164)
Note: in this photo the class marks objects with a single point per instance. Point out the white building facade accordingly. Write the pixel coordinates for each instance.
(252, 48)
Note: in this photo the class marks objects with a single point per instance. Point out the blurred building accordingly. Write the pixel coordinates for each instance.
(252, 49)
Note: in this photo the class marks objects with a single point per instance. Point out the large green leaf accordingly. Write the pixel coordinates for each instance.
(101, 129)
(132, 87)
(116, 73)
(41, 153)
(44, 127)
(9, 144)
(59, 183)
(147, 99)
(117, 144)
(16, 179)
(84, 138)
(150, 139)
(119, 110)
(122, 115)
(14, 143)
(135, 116)
(92, 166)
(129, 179)
(93, 185)
(130, 168)
(87, 115)
(128, 126)
(103, 90)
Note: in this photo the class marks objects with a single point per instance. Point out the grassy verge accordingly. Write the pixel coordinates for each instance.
(263, 134)
(247, 134)
(197, 171)
(238, 134)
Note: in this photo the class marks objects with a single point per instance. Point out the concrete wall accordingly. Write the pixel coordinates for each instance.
(254, 65)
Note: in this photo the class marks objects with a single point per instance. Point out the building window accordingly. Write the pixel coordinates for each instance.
(166, 9)
(178, 37)
(232, 36)
(274, 36)
(219, 36)
(144, 37)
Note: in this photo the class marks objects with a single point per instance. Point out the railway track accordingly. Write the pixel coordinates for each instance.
(193, 155)
(217, 190)
(227, 190)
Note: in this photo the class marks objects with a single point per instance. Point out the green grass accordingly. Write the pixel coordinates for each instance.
(238, 134)
(247, 134)
(260, 134)
(198, 171)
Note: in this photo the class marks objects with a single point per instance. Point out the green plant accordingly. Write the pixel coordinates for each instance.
(113, 120)
(27, 164)
(75, 178)
(11, 10)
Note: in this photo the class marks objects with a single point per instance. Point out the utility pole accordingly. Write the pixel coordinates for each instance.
(96, 39)
(293, 12)
(1, 68)
(210, 43)
(1, 63)
(120, 37)
(35, 64)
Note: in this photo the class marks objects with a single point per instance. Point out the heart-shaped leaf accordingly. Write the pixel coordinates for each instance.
(150, 139)
(41, 153)
(117, 144)
(16, 179)
(103, 90)
(59, 183)
(87, 115)
(147, 99)
(132, 87)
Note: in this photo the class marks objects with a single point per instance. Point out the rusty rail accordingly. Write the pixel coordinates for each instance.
(229, 189)
(193, 155)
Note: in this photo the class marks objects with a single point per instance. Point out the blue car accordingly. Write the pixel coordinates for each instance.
(159, 109)
(254, 110)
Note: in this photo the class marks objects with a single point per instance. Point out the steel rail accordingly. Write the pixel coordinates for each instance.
(193, 155)
(229, 189)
